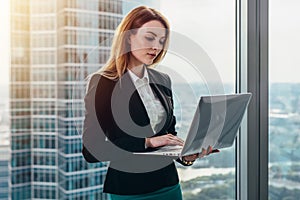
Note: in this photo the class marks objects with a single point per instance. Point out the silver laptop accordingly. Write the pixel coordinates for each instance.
(215, 123)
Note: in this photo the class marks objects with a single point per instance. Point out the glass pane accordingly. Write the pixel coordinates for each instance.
(284, 100)
(211, 25)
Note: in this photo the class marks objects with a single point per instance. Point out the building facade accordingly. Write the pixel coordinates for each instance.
(55, 45)
(4, 151)
(20, 102)
(4, 159)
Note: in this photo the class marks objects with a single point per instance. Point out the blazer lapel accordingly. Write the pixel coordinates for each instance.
(155, 84)
(135, 105)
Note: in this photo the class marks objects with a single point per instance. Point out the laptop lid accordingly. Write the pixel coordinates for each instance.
(216, 122)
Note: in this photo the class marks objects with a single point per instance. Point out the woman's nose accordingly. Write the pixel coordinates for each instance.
(156, 45)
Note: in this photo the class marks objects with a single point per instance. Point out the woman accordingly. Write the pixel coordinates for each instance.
(134, 108)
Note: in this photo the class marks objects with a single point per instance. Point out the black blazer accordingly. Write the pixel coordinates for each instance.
(116, 124)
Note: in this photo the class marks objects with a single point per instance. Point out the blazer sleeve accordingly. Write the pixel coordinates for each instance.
(99, 124)
(88, 156)
(107, 122)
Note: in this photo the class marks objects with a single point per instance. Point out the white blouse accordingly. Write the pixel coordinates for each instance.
(154, 108)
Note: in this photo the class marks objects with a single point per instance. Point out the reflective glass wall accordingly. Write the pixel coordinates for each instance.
(202, 27)
(53, 50)
(202, 39)
(284, 100)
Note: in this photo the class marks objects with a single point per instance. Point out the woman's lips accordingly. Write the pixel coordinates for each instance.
(153, 55)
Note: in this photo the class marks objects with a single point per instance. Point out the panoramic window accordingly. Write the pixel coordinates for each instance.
(210, 25)
(284, 100)
(55, 45)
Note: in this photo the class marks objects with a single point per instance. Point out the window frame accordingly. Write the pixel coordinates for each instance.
(252, 76)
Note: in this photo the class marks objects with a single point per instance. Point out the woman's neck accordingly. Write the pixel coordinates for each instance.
(137, 70)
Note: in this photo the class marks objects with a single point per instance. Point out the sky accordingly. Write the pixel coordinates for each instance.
(284, 40)
(210, 23)
(4, 42)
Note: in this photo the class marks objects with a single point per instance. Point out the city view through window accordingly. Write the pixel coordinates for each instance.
(211, 25)
(284, 100)
(54, 45)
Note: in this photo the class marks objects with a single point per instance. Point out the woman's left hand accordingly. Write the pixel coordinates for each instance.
(204, 152)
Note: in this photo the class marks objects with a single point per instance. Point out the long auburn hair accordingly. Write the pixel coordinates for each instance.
(120, 50)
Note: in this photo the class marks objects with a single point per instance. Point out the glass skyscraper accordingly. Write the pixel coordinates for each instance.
(20, 102)
(55, 44)
(4, 152)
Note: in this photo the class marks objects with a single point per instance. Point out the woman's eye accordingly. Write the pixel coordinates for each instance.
(149, 38)
(162, 42)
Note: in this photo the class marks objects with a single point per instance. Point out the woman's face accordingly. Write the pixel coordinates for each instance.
(147, 43)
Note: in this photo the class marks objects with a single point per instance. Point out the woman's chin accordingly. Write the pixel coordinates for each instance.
(148, 62)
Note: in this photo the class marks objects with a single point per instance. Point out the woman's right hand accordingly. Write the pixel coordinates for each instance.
(163, 140)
